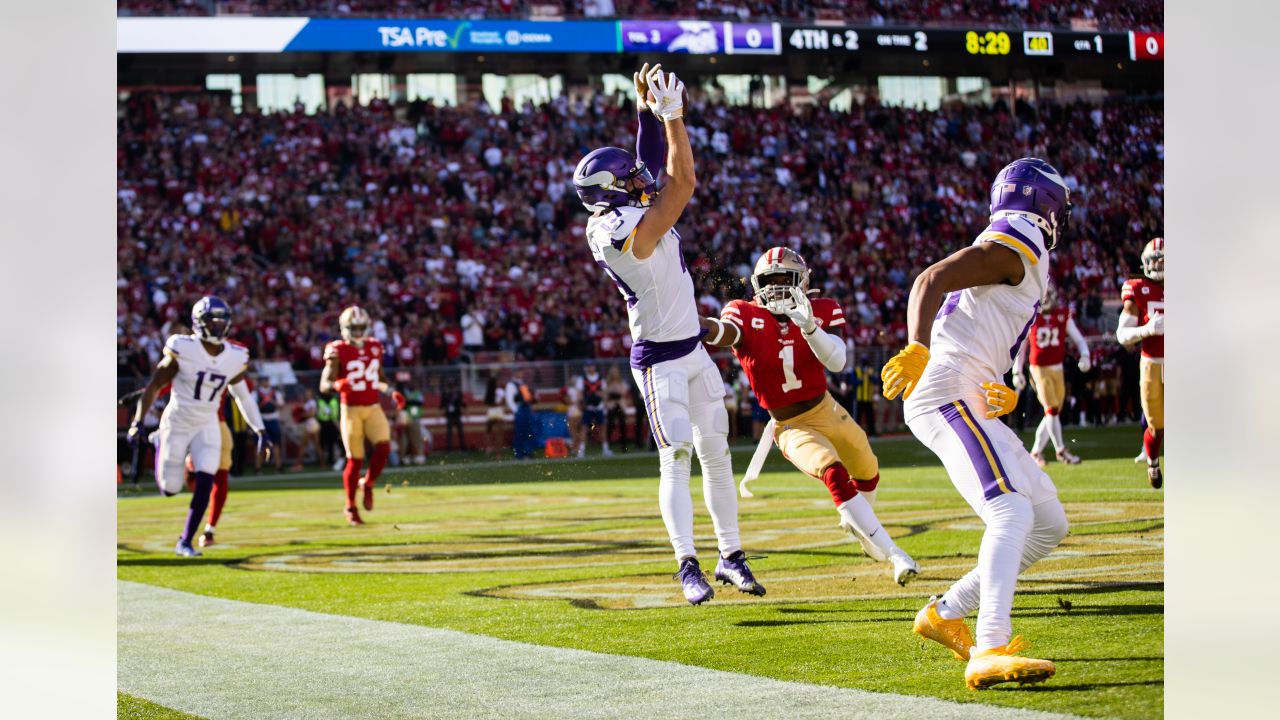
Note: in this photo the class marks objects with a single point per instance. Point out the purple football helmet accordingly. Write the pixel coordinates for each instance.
(1034, 189)
(211, 319)
(601, 179)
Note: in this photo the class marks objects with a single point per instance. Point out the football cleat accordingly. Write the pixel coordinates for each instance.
(1154, 476)
(206, 539)
(1039, 458)
(184, 549)
(353, 517)
(904, 568)
(954, 635)
(993, 666)
(868, 547)
(694, 584)
(1066, 457)
(367, 499)
(733, 570)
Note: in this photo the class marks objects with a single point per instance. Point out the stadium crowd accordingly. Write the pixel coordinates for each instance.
(1108, 14)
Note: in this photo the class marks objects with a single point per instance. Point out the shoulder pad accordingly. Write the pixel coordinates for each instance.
(615, 227)
(1018, 234)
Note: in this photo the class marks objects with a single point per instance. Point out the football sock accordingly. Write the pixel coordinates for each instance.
(1009, 520)
(199, 503)
(1151, 440)
(867, 488)
(1055, 432)
(858, 513)
(351, 479)
(719, 491)
(836, 478)
(377, 461)
(1042, 434)
(219, 496)
(673, 497)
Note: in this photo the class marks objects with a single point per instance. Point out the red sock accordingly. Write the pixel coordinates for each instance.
(837, 481)
(867, 485)
(1051, 411)
(381, 452)
(1151, 441)
(219, 496)
(351, 479)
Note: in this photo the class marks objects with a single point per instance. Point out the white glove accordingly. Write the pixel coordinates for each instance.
(667, 93)
(1085, 364)
(1154, 326)
(801, 311)
(1019, 382)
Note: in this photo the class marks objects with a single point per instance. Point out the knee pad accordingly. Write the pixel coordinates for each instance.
(675, 458)
(1051, 524)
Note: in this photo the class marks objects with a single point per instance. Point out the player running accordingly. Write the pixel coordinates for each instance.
(783, 342)
(353, 369)
(199, 366)
(1048, 349)
(632, 237)
(967, 316)
(1142, 321)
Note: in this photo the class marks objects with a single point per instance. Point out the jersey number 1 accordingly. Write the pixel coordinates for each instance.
(360, 376)
(788, 356)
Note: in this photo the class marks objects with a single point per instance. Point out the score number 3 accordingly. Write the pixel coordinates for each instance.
(361, 376)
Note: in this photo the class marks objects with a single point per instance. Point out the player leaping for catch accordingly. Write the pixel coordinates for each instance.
(353, 369)
(1142, 322)
(632, 237)
(966, 318)
(784, 341)
(1047, 347)
(199, 366)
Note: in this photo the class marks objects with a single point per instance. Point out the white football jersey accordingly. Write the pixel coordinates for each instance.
(978, 330)
(197, 388)
(658, 289)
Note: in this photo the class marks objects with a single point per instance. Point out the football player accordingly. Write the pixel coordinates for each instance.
(1142, 322)
(786, 343)
(632, 237)
(353, 369)
(199, 366)
(967, 315)
(1047, 347)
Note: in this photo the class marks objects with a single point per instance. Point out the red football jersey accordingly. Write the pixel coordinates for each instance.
(1048, 337)
(1148, 296)
(780, 366)
(359, 365)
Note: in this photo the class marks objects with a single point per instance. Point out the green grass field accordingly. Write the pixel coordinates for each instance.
(573, 554)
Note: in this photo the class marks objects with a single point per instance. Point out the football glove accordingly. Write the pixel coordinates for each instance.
(340, 385)
(266, 448)
(667, 93)
(1085, 364)
(1019, 382)
(399, 398)
(134, 434)
(1155, 326)
(800, 311)
(1001, 399)
(903, 371)
(641, 79)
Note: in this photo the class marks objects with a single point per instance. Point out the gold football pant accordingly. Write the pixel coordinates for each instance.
(1151, 384)
(360, 423)
(1050, 387)
(823, 436)
(224, 462)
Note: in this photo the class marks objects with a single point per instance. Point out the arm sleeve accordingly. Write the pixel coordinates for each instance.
(829, 349)
(651, 142)
(1129, 333)
(1073, 332)
(248, 406)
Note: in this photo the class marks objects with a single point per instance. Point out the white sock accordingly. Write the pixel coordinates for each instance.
(1042, 434)
(208, 527)
(1009, 519)
(719, 491)
(673, 498)
(857, 512)
(1055, 432)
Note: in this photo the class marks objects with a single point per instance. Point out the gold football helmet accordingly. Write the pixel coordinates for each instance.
(1153, 259)
(354, 324)
(777, 271)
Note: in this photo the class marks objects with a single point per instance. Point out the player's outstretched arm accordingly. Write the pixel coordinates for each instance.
(720, 333)
(1082, 345)
(650, 145)
(668, 101)
(328, 375)
(1130, 333)
(166, 370)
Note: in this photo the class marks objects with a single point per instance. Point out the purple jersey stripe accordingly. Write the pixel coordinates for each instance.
(1013, 351)
(989, 469)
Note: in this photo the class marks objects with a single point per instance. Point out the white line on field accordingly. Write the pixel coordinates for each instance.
(229, 659)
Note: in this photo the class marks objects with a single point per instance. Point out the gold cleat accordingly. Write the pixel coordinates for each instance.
(1002, 664)
(951, 634)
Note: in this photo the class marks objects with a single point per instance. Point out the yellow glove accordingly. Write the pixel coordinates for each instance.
(1001, 399)
(903, 371)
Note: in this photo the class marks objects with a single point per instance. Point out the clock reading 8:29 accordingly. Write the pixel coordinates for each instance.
(988, 43)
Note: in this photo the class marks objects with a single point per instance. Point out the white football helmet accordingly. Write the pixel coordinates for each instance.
(354, 324)
(1153, 259)
(773, 295)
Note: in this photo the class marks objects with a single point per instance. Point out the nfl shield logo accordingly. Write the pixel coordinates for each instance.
(1027, 189)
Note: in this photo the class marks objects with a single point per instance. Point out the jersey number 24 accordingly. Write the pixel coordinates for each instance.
(361, 375)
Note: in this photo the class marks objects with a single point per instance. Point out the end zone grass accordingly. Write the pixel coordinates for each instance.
(573, 554)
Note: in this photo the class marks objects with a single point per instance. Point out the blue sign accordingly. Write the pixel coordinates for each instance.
(396, 35)
(697, 37)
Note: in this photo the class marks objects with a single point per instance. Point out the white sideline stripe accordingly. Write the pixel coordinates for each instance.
(230, 659)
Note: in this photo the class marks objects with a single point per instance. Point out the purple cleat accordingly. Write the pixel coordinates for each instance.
(696, 588)
(184, 549)
(733, 570)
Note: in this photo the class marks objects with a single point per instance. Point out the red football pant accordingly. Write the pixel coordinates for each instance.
(351, 479)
